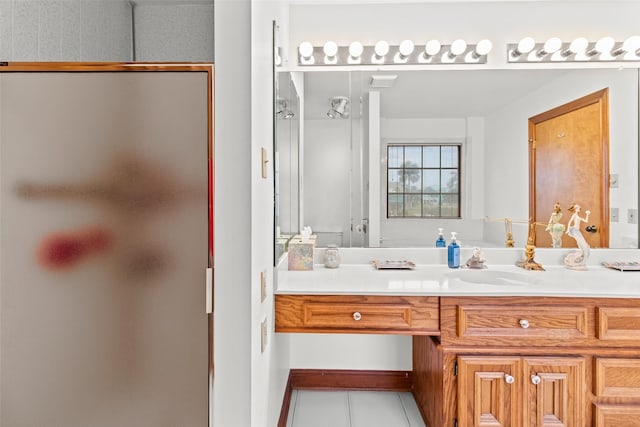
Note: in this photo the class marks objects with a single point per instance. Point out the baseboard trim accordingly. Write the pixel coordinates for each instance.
(286, 403)
(339, 379)
(342, 379)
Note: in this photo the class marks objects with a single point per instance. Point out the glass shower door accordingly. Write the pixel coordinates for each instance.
(104, 246)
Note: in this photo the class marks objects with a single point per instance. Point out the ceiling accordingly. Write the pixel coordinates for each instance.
(434, 94)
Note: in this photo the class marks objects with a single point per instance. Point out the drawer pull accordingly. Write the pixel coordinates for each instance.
(509, 379)
(357, 316)
(535, 379)
(524, 323)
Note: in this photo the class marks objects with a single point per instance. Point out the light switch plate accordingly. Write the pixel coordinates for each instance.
(632, 216)
(263, 335)
(265, 161)
(614, 216)
(613, 180)
(263, 286)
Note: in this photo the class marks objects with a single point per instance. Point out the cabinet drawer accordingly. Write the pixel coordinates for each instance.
(617, 416)
(521, 321)
(357, 314)
(617, 378)
(618, 323)
(363, 315)
(515, 321)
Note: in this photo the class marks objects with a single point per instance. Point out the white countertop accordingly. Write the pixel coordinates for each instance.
(361, 278)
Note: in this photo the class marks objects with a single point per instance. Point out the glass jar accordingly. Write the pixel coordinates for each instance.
(331, 257)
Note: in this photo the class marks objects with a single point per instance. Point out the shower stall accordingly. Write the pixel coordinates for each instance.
(106, 222)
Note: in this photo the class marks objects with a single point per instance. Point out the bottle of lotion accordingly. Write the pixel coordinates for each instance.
(453, 253)
(440, 242)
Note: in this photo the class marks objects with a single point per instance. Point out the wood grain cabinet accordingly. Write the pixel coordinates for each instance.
(616, 392)
(525, 362)
(409, 315)
(520, 391)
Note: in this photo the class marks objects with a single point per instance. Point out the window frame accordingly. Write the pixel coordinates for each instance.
(440, 145)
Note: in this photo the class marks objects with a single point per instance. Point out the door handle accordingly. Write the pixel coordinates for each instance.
(591, 228)
(208, 293)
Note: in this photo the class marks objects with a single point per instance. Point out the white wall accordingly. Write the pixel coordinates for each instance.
(327, 178)
(347, 351)
(269, 369)
(160, 31)
(70, 30)
(233, 312)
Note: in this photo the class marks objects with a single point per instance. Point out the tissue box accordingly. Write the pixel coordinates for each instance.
(281, 245)
(301, 253)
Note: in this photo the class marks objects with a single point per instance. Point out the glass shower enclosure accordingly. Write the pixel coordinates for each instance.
(106, 222)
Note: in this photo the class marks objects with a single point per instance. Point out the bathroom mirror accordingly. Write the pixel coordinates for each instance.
(286, 166)
(341, 162)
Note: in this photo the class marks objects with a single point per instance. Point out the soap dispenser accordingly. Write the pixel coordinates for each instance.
(453, 252)
(440, 242)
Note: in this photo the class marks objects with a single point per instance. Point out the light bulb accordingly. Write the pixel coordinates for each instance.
(381, 48)
(551, 46)
(306, 50)
(577, 46)
(457, 48)
(356, 49)
(525, 45)
(604, 45)
(432, 48)
(483, 48)
(406, 48)
(631, 44)
(330, 49)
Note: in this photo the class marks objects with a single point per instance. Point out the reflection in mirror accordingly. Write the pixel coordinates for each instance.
(287, 176)
(346, 186)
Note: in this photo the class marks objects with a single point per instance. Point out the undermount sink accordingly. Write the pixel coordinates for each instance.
(493, 277)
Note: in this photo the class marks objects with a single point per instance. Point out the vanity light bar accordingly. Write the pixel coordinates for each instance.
(527, 50)
(382, 53)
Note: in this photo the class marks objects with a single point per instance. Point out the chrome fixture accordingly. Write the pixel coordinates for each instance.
(339, 106)
(383, 53)
(283, 112)
(579, 50)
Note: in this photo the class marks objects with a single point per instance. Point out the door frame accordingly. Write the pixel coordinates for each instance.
(600, 97)
(71, 67)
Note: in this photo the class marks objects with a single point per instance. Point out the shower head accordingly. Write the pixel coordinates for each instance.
(283, 111)
(339, 107)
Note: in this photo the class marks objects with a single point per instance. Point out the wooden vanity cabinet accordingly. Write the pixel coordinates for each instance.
(543, 362)
(513, 391)
(408, 315)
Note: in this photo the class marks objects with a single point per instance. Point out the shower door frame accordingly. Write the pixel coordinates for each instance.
(84, 67)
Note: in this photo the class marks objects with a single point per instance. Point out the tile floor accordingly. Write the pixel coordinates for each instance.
(353, 409)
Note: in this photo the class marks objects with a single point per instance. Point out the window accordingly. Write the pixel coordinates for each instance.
(423, 181)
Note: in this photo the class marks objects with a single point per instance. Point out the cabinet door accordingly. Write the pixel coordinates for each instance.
(617, 416)
(488, 391)
(554, 391)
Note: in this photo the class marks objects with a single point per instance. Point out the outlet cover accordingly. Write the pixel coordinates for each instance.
(263, 335)
(263, 286)
(632, 216)
(613, 180)
(615, 215)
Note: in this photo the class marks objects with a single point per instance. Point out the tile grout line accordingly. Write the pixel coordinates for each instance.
(404, 410)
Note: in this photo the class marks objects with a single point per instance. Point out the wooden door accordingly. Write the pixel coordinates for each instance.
(554, 392)
(569, 163)
(489, 391)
